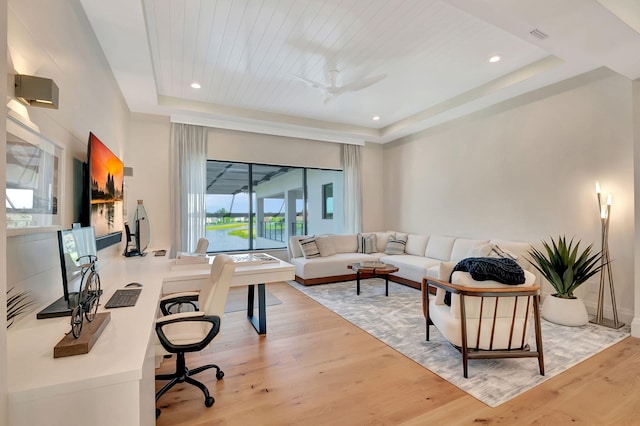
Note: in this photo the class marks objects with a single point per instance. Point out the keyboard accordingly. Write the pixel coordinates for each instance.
(123, 298)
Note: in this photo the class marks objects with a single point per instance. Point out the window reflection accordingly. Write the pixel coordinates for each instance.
(32, 188)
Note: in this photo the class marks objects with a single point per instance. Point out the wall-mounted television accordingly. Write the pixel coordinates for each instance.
(103, 196)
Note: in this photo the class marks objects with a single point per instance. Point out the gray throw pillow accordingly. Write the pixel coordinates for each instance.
(367, 243)
(309, 248)
(395, 245)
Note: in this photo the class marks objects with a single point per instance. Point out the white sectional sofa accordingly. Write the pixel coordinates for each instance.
(422, 255)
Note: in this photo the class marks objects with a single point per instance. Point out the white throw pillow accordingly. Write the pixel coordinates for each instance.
(482, 250)
(309, 248)
(381, 240)
(325, 246)
(367, 243)
(445, 271)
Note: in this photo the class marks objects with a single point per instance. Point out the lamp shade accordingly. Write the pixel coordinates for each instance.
(36, 91)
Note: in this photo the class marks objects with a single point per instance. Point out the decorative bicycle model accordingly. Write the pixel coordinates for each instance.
(88, 295)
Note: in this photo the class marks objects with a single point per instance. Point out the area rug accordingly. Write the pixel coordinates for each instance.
(397, 320)
(237, 299)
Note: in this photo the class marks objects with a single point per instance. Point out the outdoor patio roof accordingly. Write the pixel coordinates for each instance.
(231, 178)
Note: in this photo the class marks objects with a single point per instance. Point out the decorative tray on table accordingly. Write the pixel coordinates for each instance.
(372, 264)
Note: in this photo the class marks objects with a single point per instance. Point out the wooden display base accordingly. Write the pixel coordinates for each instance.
(70, 346)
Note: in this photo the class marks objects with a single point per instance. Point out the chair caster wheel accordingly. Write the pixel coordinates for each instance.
(208, 402)
(157, 413)
(219, 374)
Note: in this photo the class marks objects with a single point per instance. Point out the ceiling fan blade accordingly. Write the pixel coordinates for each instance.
(358, 85)
(311, 83)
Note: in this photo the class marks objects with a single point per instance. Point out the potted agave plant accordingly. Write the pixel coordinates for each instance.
(566, 267)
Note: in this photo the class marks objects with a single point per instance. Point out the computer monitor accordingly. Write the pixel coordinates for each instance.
(142, 232)
(75, 247)
(131, 247)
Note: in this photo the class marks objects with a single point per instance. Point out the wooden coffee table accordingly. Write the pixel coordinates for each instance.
(382, 271)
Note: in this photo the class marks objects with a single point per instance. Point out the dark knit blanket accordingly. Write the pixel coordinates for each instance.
(501, 269)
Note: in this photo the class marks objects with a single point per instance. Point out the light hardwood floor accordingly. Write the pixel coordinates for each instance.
(315, 368)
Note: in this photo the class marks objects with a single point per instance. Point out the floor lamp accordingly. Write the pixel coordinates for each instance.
(605, 272)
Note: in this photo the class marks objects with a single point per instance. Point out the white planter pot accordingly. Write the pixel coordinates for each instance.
(571, 312)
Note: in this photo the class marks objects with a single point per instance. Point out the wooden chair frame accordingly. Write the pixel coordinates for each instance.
(522, 351)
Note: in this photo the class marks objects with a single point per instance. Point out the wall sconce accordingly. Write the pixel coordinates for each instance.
(605, 273)
(36, 91)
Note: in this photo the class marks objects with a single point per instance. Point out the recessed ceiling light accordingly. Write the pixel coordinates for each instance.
(376, 117)
(494, 58)
(195, 85)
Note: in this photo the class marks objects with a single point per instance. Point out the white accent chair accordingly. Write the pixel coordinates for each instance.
(184, 332)
(486, 319)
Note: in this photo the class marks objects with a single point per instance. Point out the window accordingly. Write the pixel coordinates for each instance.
(32, 178)
(258, 206)
(327, 201)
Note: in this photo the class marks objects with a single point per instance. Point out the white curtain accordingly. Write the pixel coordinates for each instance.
(188, 178)
(351, 165)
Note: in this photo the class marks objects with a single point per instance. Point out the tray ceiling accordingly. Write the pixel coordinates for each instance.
(250, 58)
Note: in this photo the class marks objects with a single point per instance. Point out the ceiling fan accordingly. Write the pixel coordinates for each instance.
(332, 90)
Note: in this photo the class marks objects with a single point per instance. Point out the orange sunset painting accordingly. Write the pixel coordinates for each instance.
(107, 175)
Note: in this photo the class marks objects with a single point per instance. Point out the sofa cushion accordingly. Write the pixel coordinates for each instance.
(325, 245)
(395, 245)
(367, 243)
(309, 247)
(463, 247)
(336, 265)
(381, 240)
(345, 243)
(412, 268)
(416, 244)
(439, 247)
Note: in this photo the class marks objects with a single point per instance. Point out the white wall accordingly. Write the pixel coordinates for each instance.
(3, 220)
(315, 223)
(373, 185)
(147, 152)
(54, 40)
(635, 326)
(525, 170)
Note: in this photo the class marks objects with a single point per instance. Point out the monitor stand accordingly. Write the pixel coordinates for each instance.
(59, 308)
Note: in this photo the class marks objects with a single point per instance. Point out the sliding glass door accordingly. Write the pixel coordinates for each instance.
(258, 207)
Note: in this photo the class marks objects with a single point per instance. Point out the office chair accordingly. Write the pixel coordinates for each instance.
(202, 246)
(184, 332)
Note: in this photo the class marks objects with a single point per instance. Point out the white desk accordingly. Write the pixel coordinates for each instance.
(195, 277)
(114, 383)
